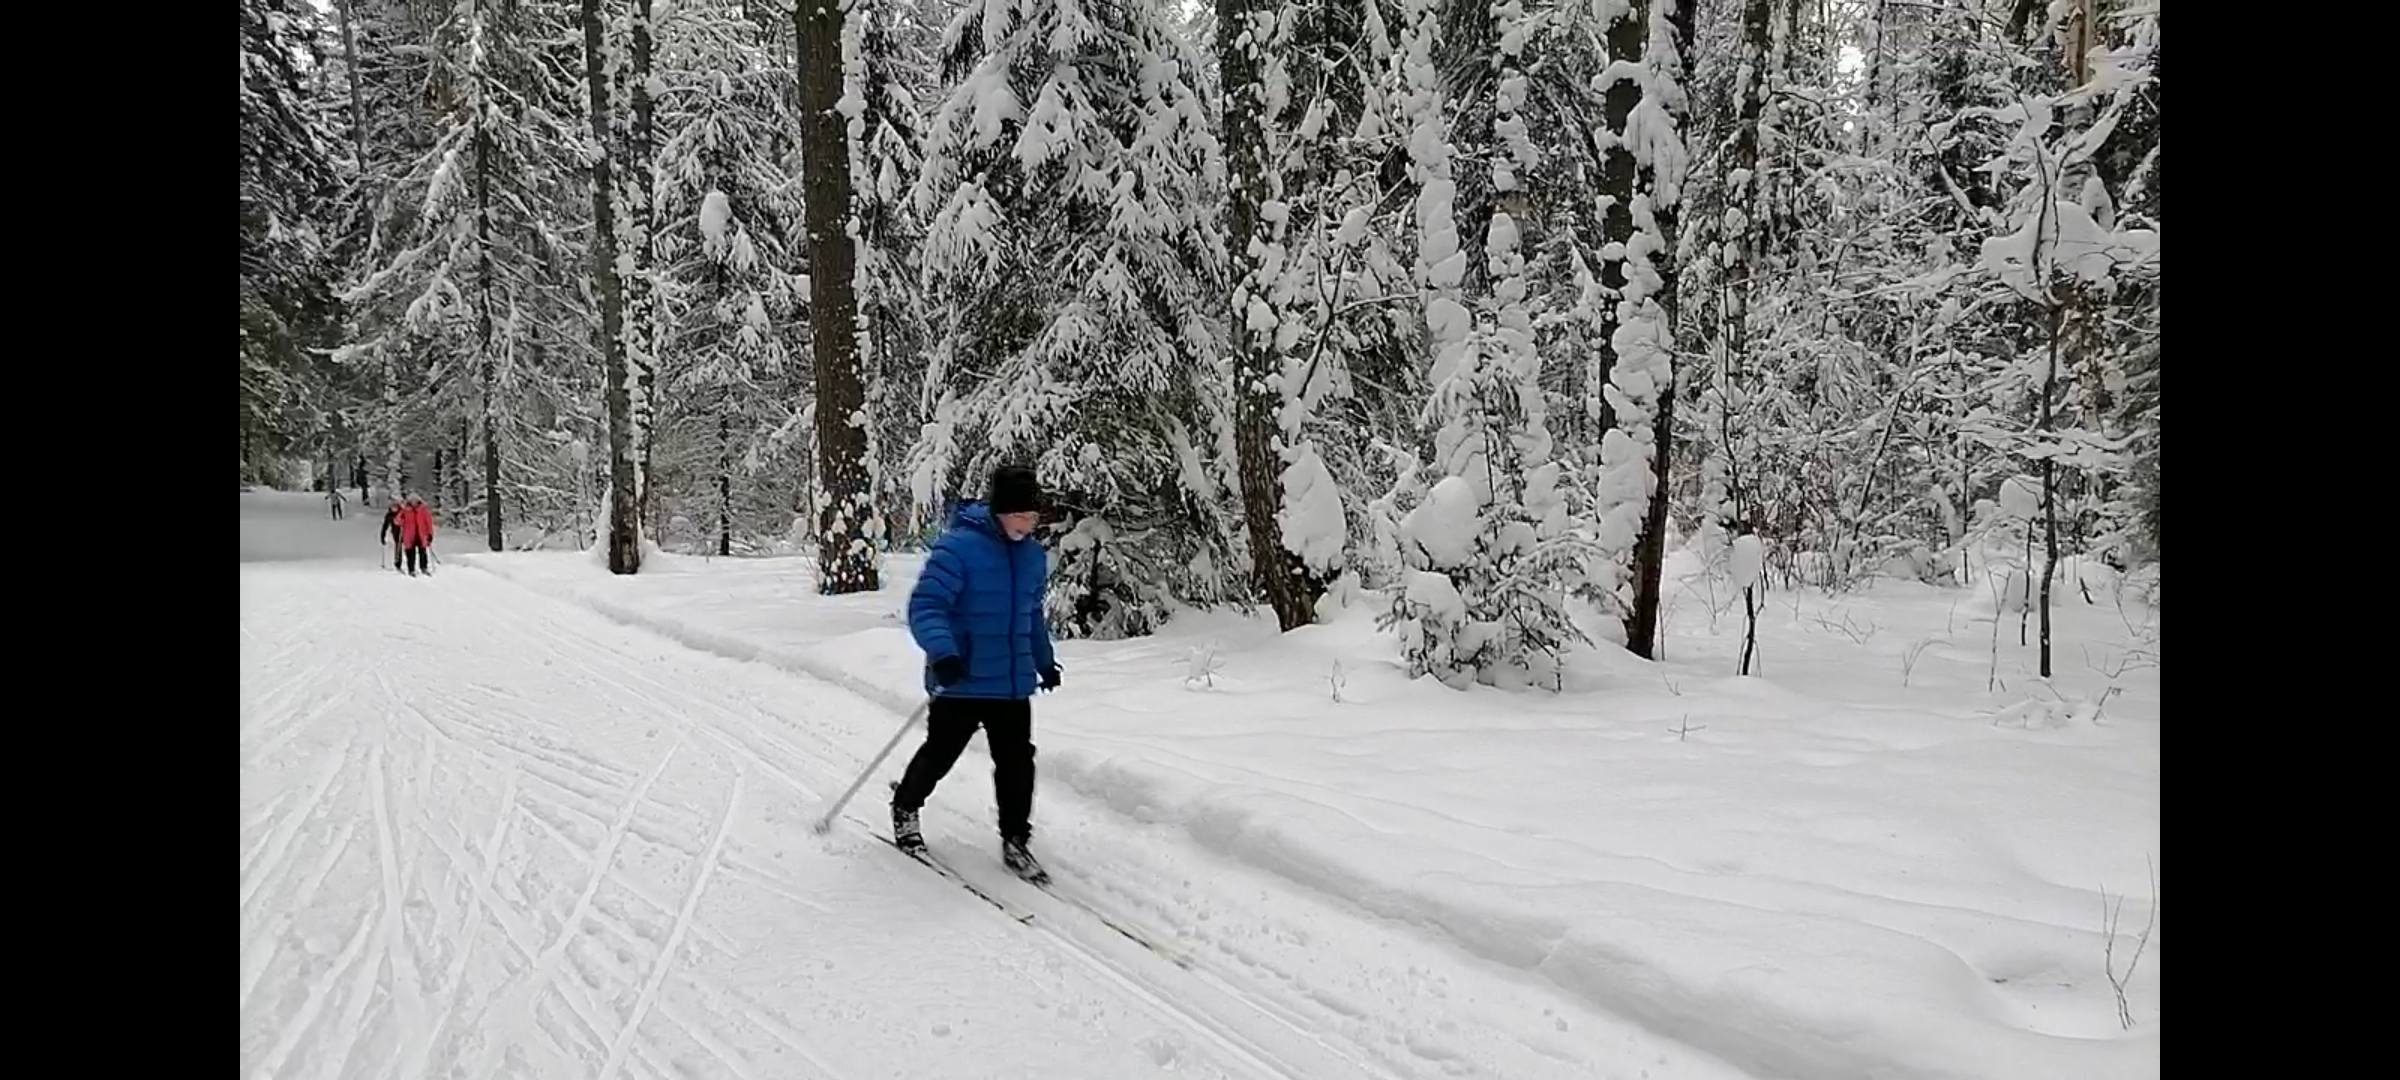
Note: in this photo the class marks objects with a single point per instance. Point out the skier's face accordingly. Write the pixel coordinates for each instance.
(1019, 525)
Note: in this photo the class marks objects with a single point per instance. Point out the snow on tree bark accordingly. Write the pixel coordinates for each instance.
(845, 495)
(624, 524)
(1640, 389)
(644, 321)
(1246, 31)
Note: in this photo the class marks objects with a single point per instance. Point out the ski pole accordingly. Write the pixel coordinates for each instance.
(825, 824)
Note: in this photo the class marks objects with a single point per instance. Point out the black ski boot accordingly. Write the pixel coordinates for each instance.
(905, 832)
(1022, 863)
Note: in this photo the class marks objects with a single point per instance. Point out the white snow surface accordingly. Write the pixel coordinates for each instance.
(524, 818)
(490, 833)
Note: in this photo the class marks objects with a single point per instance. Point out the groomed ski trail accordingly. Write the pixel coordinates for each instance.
(485, 832)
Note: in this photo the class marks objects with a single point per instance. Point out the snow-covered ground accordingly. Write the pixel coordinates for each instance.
(1893, 855)
(489, 833)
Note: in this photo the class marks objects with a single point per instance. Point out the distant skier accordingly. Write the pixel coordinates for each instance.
(333, 498)
(977, 613)
(390, 533)
(416, 533)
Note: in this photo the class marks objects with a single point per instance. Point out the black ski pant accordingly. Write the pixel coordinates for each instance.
(416, 558)
(1007, 732)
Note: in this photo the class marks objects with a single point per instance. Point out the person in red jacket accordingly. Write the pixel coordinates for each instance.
(416, 533)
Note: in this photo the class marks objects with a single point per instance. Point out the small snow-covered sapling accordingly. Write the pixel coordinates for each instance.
(1203, 666)
(1336, 680)
(1908, 658)
(2108, 952)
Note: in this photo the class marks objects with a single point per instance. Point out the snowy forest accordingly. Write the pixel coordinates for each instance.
(1475, 312)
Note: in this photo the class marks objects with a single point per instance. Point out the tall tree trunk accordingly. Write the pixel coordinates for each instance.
(624, 530)
(2049, 486)
(845, 502)
(724, 479)
(390, 421)
(1624, 39)
(483, 315)
(642, 291)
(358, 119)
(1641, 630)
(358, 108)
(1742, 246)
(1257, 363)
(1878, 68)
(1649, 553)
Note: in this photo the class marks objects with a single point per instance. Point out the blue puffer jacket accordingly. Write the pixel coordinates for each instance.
(980, 599)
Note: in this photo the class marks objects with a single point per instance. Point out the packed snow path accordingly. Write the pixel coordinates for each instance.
(488, 834)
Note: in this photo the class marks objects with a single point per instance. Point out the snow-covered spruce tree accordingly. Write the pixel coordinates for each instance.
(467, 241)
(1073, 256)
(1641, 381)
(385, 70)
(1315, 281)
(1332, 297)
(884, 57)
(287, 184)
(729, 298)
(1490, 545)
(1432, 624)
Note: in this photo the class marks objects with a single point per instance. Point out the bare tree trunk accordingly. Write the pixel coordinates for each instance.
(1741, 261)
(1649, 553)
(624, 529)
(358, 108)
(642, 291)
(391, 424)
(358, 119)
(724, 482)
(845, 503)
(2049, 489)
(483, 317)
(1749, 627)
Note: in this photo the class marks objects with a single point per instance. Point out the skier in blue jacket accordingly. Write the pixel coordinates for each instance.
(977, 613)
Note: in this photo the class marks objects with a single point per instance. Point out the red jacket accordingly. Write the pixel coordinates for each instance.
(416, 525)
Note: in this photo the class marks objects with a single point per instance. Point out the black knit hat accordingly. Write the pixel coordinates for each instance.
(1014, 490)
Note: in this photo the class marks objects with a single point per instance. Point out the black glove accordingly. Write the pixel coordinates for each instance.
(948, 670)
(1050, 677)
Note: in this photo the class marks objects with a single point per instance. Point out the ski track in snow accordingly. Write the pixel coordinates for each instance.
(489, 834)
